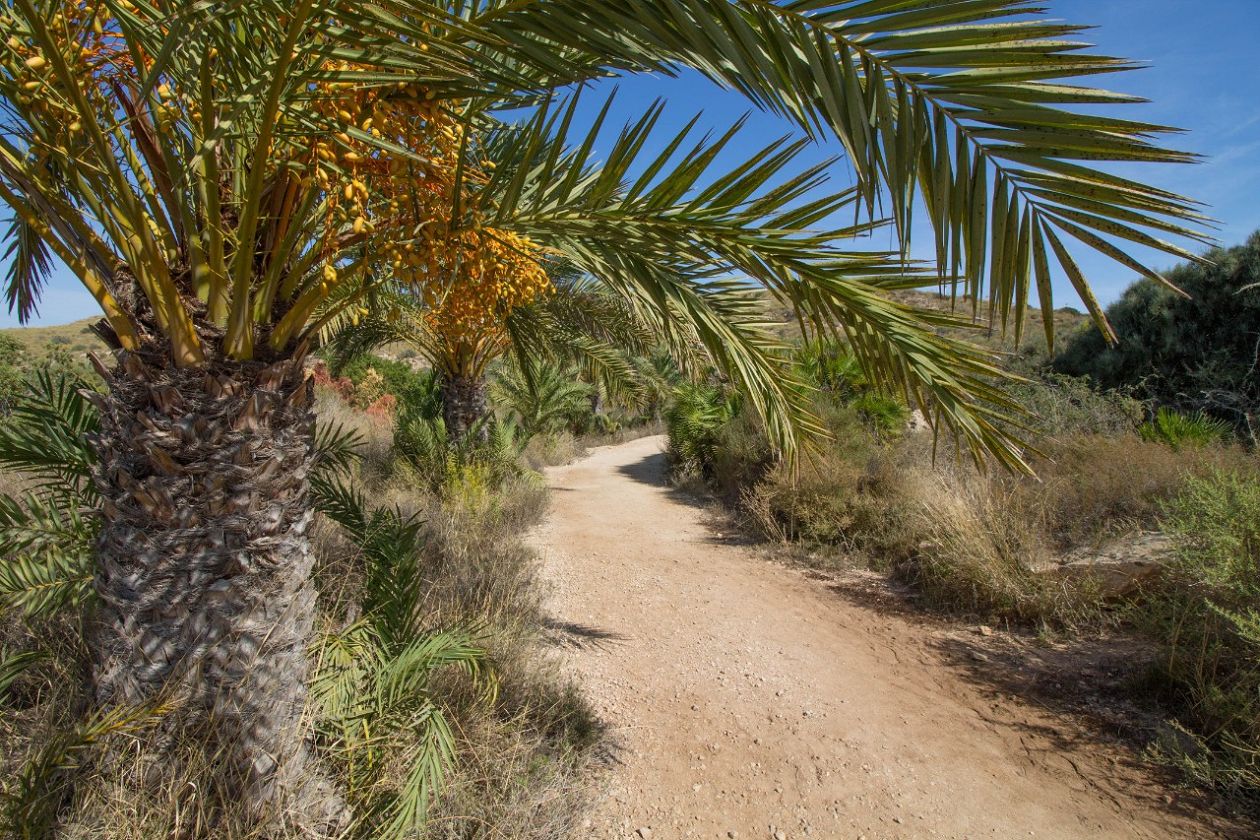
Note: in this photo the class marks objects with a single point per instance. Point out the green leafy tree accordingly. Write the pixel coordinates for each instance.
(230, 180)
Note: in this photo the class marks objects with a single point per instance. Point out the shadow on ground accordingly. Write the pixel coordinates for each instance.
(570, 634)
(1098, 685)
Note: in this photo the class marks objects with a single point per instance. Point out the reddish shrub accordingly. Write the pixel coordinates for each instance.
(382, 408)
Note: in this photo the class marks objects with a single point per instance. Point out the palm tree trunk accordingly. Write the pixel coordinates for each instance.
(464, 404)
(203, 564)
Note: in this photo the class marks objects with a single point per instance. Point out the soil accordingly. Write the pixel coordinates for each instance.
(751, 699)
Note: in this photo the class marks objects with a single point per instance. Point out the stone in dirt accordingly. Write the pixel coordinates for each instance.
(1116, 569)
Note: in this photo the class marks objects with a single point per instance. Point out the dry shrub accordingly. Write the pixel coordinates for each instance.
(850, 490)
(552, 450)
(979, 550)
(1093, 487)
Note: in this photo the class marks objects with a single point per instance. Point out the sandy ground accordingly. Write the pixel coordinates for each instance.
(747, 699)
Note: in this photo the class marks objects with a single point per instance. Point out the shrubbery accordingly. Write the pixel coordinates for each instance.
(1207, 618)
(1199, 352)
(987, 544)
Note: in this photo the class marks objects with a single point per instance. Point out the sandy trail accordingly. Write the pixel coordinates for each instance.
(748, 700)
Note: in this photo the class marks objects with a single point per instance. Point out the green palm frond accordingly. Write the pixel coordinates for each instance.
(972, 106)
(29, 266)
(581, 323)
(48, 534)
(542, 402)
(432, 751)
(45, 554)
(684, 253)
(336, 448)
(46, 434)
(373, 680)
(390, 545)
(13, 665)
(378, 710)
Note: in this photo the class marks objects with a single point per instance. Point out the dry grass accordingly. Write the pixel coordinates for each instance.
(969, 540)
(1093, 487)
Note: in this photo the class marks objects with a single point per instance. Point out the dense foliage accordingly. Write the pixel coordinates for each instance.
(1191, 352)
(1209, 621)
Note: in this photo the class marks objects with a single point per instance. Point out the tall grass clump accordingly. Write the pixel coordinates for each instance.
(1207, 619)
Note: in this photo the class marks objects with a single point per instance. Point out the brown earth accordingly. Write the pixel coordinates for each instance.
(748, 699)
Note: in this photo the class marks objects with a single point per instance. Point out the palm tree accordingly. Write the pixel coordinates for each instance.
(545, 401)
(576, 322)
(230, 180)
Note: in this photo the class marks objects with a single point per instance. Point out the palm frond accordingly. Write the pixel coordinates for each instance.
(973, 107)
(29, 267)
(336, 448)
(46, 433)
(13, 665)
(544, 401)
(372, 683)
(45, 555)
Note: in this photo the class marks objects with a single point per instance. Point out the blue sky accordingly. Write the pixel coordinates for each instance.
(1203, 77)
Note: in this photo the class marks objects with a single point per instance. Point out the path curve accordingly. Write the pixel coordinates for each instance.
(747, 700)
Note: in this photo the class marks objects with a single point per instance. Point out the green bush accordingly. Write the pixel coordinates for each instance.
(1057, 405)
(1180, 430)
(885, 415)
(548, 400)
(694, 420)
(487, 454)
(1208, 619)
(417, 391)
(12, 363)
(831, 367)
(1190, 353)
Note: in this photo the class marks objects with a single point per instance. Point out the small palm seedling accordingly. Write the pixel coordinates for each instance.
(373, 688)
(1181, 430)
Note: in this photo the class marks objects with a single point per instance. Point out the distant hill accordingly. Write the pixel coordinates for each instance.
(75, 338)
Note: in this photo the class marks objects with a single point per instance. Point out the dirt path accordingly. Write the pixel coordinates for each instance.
(748, 700)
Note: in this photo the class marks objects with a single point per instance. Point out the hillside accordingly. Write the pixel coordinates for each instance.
(76, 338)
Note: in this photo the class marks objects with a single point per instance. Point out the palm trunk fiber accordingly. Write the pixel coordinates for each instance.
(464, 405)
(203, 566)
